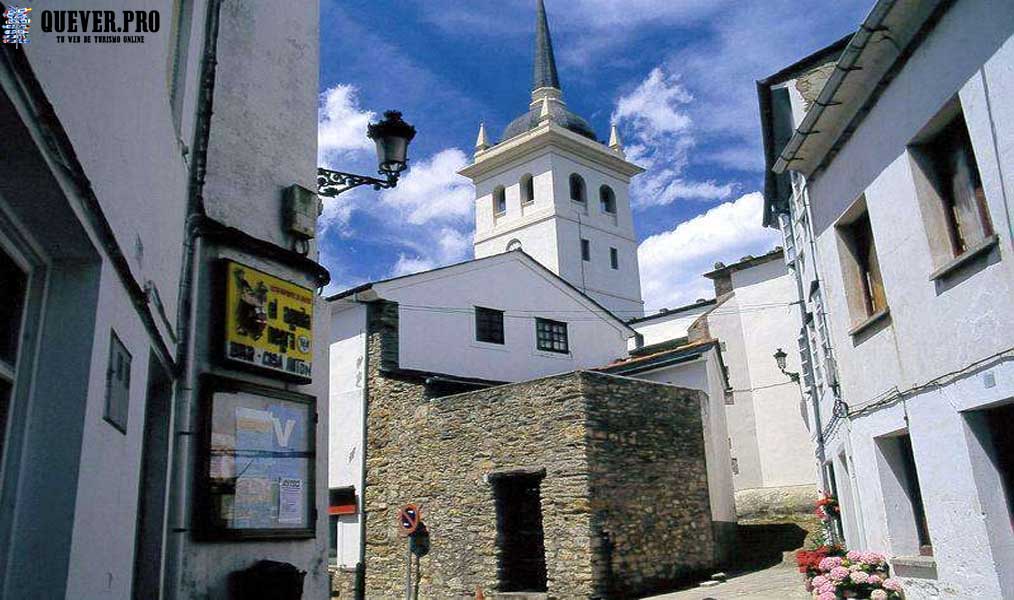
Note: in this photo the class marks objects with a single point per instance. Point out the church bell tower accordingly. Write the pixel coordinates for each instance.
(549, 187)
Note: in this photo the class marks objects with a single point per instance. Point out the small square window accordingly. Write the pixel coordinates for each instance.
(117, 384)
(551, 336)
(585, 250)
(614, 258)
(488, 325)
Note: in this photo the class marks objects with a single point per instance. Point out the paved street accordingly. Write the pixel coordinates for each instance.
(780, 582)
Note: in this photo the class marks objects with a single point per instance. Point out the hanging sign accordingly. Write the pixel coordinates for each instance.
(268, 322)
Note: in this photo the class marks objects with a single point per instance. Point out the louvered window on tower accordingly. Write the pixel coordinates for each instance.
(551, 336)
(607, 199)
(577, 188)
(499, 200)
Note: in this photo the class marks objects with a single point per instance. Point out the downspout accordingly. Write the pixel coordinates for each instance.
(360, 590)
(184, 426)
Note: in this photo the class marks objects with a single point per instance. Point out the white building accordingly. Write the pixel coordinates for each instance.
(503, 318)
(550, 187)
(122, 193)
(726, 348)
(900, 202)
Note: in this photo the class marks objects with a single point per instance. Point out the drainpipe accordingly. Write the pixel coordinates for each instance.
(183, 422)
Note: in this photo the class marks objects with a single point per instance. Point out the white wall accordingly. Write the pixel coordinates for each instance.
(347, 381)
(437, 321)
(550, 229)
(670, 326)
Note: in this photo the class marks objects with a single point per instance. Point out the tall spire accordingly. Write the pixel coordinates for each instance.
(544, 72)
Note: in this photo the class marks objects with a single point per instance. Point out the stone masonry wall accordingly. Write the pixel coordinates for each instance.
(648, 483)
(438, 453)
(581, 428)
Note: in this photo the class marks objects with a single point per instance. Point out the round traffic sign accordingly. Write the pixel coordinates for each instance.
(408, 519)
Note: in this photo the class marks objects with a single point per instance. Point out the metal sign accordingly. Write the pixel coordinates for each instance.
(408, 519)
(268, 322)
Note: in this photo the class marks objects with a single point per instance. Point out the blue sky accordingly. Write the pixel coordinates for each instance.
(677, 76)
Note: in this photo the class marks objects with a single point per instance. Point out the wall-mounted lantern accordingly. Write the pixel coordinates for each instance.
(392, 136)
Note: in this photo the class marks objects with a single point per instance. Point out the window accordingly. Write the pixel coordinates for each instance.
(499, 200)
(577, 193)
(15, 288)
(614, 258)
(527, 189)
(488, 325)
(585, 250)
(864, 286)
(950, 189)
(341, 505)
(607, 200)
(551, 336)
(513, 245)
(906, 514)
(117, 384)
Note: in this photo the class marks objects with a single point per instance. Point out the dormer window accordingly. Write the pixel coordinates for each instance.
(577, 188)
(499, 200)
(607, 200)
(527, 189)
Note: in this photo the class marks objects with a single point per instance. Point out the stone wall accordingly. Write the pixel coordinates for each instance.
(440, 453)
(648, 484)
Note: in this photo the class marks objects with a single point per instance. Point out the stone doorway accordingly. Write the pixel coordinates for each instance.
(521, 547)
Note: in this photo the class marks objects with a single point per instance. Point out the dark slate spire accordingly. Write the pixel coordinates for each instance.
(545, 65)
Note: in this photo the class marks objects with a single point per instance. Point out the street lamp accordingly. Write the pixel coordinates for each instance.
(392, 136)
(780, 356)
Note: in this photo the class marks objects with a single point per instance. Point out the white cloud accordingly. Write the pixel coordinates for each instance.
(341, 125)
(407, 265)
(654, 108)
(672, 262)
(432, 190)
(655, 120)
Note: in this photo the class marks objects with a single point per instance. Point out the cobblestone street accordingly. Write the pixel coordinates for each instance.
(780, 582)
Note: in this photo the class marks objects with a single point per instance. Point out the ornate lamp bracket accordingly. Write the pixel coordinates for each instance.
(331, 183)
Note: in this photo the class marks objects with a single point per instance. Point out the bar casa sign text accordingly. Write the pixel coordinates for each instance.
(268, 322)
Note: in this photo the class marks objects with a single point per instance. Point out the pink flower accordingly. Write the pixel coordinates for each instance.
(818, 581)
(827, 596)
(872, 558)
(878, 595)
(854, 556)
(875, 580)
(829, 563)
(859, 577)
(892, 584)
(839, 573)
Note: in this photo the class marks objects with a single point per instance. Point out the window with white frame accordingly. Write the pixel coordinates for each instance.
(551, 336)
(864, 284)
(527, 189)
(499, 200)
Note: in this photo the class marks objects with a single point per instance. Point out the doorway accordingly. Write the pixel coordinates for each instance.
(151, 498)
(521, 545)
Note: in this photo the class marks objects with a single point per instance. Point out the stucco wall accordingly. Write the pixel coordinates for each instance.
(437, 322)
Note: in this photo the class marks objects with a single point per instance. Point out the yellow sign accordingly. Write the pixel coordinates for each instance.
(268, 322)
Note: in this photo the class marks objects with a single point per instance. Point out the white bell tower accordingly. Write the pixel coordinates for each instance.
(551, 189)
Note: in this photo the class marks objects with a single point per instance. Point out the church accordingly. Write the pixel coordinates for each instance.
(560, 443)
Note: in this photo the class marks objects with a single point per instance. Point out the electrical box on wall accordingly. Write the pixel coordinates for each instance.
(302, 207)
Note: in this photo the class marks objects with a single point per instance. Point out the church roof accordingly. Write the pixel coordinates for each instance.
(546, 82)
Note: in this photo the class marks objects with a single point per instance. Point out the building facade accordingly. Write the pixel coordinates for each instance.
(900, 172)
(137, 201)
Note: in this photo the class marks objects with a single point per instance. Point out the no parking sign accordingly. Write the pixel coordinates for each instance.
(408, 519)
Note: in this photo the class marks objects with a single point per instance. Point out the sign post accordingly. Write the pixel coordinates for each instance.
(408, 522)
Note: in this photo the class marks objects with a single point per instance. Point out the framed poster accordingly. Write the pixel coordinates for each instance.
(268, 322)
(257, 462)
